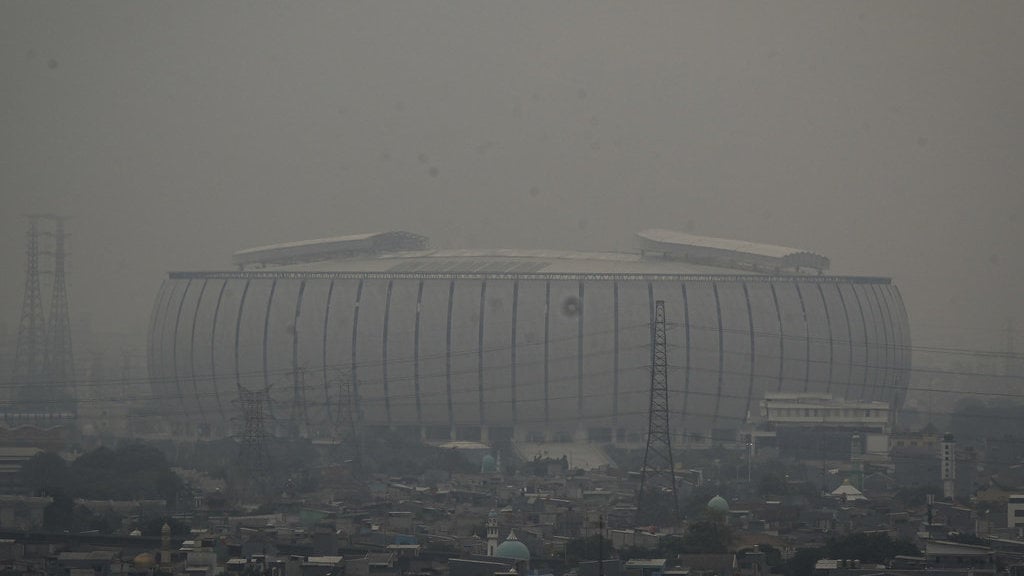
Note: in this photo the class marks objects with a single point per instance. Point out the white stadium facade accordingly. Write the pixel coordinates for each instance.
(381, 331)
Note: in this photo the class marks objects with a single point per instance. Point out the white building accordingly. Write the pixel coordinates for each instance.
(865, 423)
(1015, 511)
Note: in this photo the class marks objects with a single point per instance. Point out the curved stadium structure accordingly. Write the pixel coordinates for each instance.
(533, 345)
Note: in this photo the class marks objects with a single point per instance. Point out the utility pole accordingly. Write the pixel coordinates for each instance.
(658, 473)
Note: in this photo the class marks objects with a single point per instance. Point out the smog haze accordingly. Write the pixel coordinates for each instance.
(885, 135)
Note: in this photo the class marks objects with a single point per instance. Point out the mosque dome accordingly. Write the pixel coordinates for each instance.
(488, 464)
(144, 561)
(718, 504)
(512, 548)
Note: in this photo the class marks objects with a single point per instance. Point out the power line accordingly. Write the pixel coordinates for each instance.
(471, 371)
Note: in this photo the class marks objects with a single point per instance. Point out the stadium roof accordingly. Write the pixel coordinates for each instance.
(320, 249)
(663, 252)
(727, 252)
(503, 261)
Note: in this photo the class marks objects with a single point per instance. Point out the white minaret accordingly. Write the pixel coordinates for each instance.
(492, 532)
(948, 460)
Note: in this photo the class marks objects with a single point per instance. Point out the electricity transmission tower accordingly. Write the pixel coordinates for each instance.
(657, 478)
(298, 403)
(345, 423)
(253, 458)
(43, 362)
(60, 360)
(30, 354)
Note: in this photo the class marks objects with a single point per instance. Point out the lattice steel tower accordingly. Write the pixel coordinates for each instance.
(30, 354)
(253, 459)
(657, 477)
(60, 361)
(346, 426)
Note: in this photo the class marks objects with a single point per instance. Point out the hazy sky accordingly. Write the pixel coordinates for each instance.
(886, 135)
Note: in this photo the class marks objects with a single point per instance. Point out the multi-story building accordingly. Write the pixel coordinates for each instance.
(842, 428)
(1015, 512)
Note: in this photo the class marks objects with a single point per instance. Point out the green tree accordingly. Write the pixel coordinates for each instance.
(153, 526)
(772, 483)
(802, 562)
(875, 547)
(707, 536)
(131, 471)
(658, 509)
(696, 504)
(772, 555)
(915, 496)
(589, 548)
(45, 473)
(59, 514)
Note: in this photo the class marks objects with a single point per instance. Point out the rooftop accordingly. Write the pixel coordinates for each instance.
(662, 252)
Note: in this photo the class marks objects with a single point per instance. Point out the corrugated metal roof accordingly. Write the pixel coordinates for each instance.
(684, 239)
(303, 243)
(505, 261)
(329, 248)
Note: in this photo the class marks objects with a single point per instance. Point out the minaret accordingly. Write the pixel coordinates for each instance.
(948, 456)
(165, 544)
(492, 532)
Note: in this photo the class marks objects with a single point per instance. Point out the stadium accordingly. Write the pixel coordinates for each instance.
(382, 331)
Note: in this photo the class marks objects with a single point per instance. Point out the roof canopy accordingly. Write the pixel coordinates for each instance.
(322, 249)
(726, 252)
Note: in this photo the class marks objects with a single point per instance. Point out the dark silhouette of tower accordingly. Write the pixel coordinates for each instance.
(657, 478)
(44, 364)
(30, 354)
(253, 459)
(60, 362)
(346, 425)
(295, 419)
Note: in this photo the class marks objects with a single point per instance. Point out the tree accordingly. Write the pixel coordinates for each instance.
(589, 548)
(772, 555)
(707, 536)
(59, 514)
(132, 471)
(772, 483)
(803, 561)
(153, 526)
(875, 547)
(657, 508)
(696, 504)
(45, 473)
(915, 496)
